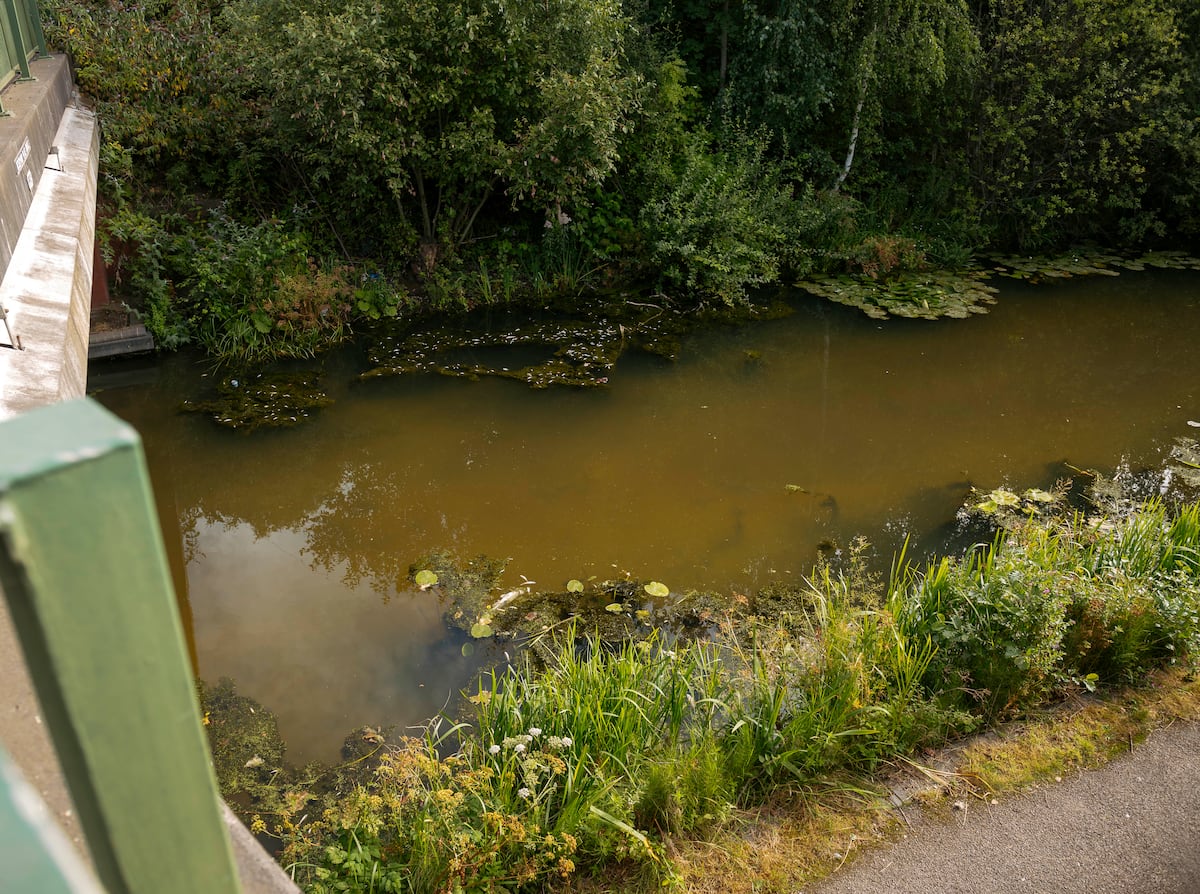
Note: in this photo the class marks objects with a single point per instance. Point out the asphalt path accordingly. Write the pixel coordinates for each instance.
(1131, 827)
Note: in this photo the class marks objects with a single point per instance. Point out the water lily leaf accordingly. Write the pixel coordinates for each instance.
(574, 586)
(468, 649)
(480, 630)
(1039, 496)
(655, 588)
(987, 506)
(1002, 497)
(615, 607)
(425, 579)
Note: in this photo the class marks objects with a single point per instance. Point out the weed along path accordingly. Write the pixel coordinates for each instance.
(1132, 827)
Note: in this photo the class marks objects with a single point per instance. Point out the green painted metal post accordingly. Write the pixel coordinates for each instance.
(36, 855)
(86, 578)
(14, 22)
(35, 22)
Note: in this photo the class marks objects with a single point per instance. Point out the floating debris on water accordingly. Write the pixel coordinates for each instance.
(581, 353)
(248, 401)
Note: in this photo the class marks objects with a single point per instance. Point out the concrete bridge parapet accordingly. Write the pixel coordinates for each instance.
(49, 155)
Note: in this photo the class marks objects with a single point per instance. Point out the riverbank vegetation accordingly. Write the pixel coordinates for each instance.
(595, 757)
(276, 175)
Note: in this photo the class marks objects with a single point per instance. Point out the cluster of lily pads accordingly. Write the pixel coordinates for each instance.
(525, 611)
(1028, 502)
(1086, 263)
(960, 293)
(924, 295)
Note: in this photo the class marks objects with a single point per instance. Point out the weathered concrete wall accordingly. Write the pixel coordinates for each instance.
(47, 286)
(26, 135)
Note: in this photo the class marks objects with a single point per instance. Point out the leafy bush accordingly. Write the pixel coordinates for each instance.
(254, 293)
(1058, 602)
(724, 225)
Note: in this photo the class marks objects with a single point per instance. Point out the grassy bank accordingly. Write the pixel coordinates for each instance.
(666, 761)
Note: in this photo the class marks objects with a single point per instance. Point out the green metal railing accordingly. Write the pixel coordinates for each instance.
(21, 26)
(86, 579)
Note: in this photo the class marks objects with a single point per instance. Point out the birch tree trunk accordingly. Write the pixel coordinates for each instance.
(865, 70)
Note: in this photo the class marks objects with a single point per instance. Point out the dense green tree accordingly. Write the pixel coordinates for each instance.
(896, 56)
(442, 104)
(1082, 109)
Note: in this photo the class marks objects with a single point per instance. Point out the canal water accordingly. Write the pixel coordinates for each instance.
(723, 470)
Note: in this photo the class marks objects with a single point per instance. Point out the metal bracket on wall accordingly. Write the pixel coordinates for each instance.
(14, 341)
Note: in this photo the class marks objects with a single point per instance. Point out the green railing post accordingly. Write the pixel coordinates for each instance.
(14, 22)
(35, 22)
(83, 569)
(35, 854)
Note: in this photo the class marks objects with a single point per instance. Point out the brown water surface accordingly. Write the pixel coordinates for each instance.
(293, 546)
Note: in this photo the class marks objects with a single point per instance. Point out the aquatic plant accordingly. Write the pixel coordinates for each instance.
(1085, 262)
(251, 400)
(925, 294)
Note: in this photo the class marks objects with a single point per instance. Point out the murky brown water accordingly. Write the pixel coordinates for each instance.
(293, 546)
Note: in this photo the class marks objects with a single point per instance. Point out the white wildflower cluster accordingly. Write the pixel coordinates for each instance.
(518, 743)
(522, 743)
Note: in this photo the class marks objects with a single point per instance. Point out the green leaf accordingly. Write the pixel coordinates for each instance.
(657, 589)
(468, 649)
(615, 607)
(1002, 497)
(261, 322)
(574, 586)
(481, 630)
(425, 579)
(1039, 496)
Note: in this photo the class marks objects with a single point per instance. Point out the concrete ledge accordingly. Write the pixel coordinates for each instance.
(26, 135)
(120, 342)
(47, 287)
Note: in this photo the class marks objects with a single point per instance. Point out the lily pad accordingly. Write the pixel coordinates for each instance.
(1039, 496)
(924, 294)
(615, 607)
(657, 589)
(468, 649)
(481, 630)
(574, 586)
(1002, 497)
(425, 579)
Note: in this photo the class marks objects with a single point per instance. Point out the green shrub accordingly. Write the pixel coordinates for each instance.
(254, 293)
(723, 226)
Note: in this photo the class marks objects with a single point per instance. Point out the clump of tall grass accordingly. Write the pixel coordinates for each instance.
(1057, 602)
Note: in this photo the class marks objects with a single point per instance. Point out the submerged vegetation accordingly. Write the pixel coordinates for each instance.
(252, 400)
(278, 175)
(611, 751)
